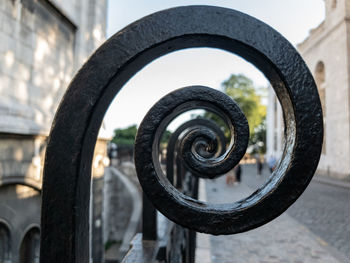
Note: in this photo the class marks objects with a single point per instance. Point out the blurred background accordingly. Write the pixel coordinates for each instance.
(43, 43)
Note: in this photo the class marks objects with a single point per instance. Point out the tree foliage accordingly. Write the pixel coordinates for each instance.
(166, 137)
(126, 136)
(242, 90)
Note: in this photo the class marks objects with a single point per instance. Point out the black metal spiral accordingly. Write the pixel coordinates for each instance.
(67, 171)
(191, 147)
(173, 155)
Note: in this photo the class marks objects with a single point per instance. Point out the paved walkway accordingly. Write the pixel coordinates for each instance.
(282, 240)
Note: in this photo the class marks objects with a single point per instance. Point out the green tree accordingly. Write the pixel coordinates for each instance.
(125, 136)
(166, 137)
(242, 90)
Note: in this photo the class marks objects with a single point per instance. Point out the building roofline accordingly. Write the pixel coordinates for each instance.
(60, 13)
(312, 34)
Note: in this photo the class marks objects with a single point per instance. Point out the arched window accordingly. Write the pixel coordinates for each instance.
(320, 75)
(320, 78)
(30, 247)
(334, 4)
(5, 244)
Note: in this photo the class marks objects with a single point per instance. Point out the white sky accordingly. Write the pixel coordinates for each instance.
(201, 66)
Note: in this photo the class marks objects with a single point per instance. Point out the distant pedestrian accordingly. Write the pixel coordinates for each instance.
(231, 177)
(238, 172)
(271, 162)
(259, 165)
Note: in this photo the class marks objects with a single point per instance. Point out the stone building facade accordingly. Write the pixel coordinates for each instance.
(327, 54)
(42, 44)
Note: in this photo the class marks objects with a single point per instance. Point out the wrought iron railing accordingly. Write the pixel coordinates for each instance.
(66, 185)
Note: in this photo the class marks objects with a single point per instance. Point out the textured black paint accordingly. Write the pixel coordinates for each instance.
(173, 142)
(149, 220)
(67, 172)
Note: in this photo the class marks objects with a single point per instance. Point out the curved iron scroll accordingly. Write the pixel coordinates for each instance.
(67, 172)
(173, 145)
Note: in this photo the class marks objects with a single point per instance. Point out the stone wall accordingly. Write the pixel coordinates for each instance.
(21, 159)
(37, 55)
(335, 156)
(123, 208)
(20, 211)
(329, 44)
(42, 44)
(326, 52)
(21, 162)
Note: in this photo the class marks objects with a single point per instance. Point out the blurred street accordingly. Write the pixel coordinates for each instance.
(315, 229)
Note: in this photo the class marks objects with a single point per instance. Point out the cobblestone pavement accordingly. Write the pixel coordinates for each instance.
(314, 229)
(323, 209)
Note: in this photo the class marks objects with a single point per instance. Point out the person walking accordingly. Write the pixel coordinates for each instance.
(271, 162)
(258, 164)
(238, 172)
(231, 177)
